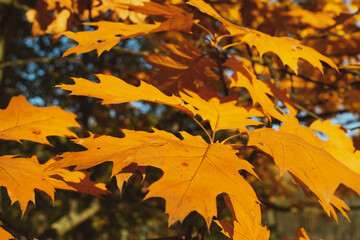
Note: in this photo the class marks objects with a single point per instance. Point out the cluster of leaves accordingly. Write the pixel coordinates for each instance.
(240, 110)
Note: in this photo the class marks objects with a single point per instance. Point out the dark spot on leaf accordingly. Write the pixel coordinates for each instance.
(37, 132)
(185, 164)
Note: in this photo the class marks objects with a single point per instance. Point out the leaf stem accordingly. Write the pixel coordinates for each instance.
(236, 135)
(207, 133)
(206, 30)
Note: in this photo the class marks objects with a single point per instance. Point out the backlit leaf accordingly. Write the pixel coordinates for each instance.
(21, 176)
(23, 121)
(195, 172)
(289, 50)
(312, 165)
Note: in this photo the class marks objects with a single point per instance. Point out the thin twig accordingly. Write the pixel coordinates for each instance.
(206, 30)
(307, 111)
(8, 224)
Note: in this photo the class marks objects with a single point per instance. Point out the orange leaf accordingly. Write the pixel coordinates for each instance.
(194, 172)
(21, 176)
(259, 91)
(243, 227)
(184, 68)
(338, 144)
(5, 235)
(113, 90)
(23, 121)
(106, 36)
(312, 165)
(222, 115)
(289, 50)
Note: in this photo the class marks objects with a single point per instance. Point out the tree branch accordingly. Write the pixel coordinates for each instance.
(8, 224)
(74, 218)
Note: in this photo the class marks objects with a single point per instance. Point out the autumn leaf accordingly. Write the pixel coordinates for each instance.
(313, 166)
(106, 36)
(57, 16)
(287, 49)
(222, 115)
(238, 228)
(5, 235)
(260, 92)
(21, 176)
(185, 67)
(113, 90)
(195, 172)
(23, 121)
(338, 144)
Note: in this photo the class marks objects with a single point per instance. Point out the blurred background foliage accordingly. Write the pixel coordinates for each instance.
(31, 64)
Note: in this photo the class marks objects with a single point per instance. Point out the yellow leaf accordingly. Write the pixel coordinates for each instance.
(260, 92)
(289, 50)
(113, 90)
(195, 172)
(4, 235)
(23, 121)
(106, 36)
(185, 67)
(312, 165)
(21, 176)
(224, 115)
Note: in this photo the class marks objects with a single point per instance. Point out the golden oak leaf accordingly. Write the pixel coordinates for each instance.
(337, 203)
(224, 115)
(56, 16)
(5, 235)
(195, 172)
(259, 91)
(287, 49)
(185, 67)
(113, 90)
(23, 121)
(313, 166)
(338, 144)
(106, 36)
(21, 176)
(240, 228)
